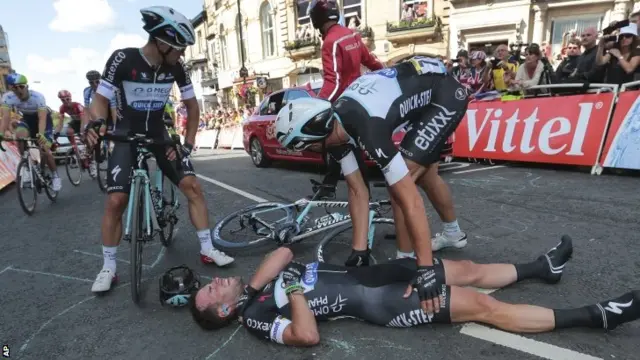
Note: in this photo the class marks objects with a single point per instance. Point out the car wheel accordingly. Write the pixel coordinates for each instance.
(258, 156)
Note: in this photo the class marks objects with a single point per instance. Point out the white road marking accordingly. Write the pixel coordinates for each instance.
(480, 169)
(223, 344)
(444, 167)
(499, 337)
(60, 276)
(218, 157)
(521, 343)
(232, 189)
(5, 269)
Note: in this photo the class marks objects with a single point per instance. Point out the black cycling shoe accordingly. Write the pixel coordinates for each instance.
(555, 260)
(620, 310)
(358, 258)
(324, 194)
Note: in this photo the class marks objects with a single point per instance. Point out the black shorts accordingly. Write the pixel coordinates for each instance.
(427, 136)
(75, 125)
(121, 160)
(31, 122)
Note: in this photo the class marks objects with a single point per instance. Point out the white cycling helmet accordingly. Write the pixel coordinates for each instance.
(169, 26)
(304, 122)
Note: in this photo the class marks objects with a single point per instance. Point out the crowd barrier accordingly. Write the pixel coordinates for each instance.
(597, 129)
(8, 164)
(226, 138)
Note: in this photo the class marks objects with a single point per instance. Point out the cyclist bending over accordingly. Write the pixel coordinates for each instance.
(36, 121)
(141, 79)
(79, 120)
(284, 300)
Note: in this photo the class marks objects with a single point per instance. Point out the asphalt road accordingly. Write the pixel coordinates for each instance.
(512, 214)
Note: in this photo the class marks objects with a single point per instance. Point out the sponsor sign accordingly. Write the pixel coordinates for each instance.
(622, 147)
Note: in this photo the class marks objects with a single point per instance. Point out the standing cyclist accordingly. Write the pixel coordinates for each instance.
(89, 92)
(36, 120)
(141, 79)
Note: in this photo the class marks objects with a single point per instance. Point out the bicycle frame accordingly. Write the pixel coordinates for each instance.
(150, 217)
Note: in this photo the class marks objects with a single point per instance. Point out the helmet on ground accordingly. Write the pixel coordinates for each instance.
(323, 11)
(177, 284)
(93, 75)
(169, 26)
(303, 122)
(16, 79)
(64, 94)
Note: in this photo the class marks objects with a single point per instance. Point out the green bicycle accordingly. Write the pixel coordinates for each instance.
(151, 209)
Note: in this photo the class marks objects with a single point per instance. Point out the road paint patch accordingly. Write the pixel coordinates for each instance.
(59, 276)
(223, 344)
(232, 189)
(444, 167)
(218, 157)
(480, 169)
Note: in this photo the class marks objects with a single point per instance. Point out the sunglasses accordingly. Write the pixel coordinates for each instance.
(66, 99)
(21, 87)
(627, 36)
(94, 82)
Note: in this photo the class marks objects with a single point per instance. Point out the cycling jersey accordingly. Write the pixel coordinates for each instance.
(88, 97)
(29, 109)
(74, 109)
(342, 54)
(372, 293)
(417, 93)
(141, 92)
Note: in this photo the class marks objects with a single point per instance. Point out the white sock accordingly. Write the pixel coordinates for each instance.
(109, 255)
(452, 228)
(205, 240)
(402, 255)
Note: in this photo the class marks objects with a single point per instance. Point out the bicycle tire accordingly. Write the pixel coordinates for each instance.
(323, 256)
(224, 244)
(136, 242)
(21, 195)
(102, 181)
(166, 240)
(71, 155)
(47, 174)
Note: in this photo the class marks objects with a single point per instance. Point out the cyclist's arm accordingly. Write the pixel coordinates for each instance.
(84, 116)
(331, 66)
(111, 76)
(114, 114)
(188, 97)
(358, 195)
(42, 119)
(270, 267)
(5, 115)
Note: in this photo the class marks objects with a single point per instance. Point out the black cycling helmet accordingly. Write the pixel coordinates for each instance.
(323, 11)
(177, 284)
(93, 75)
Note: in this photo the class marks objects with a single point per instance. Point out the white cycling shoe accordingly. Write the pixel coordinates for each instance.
(56, 184)
(104, 280)
(441, 241)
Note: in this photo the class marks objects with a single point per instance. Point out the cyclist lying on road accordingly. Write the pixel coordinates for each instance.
(284, 299)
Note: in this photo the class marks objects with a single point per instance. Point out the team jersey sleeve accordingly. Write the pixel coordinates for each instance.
(112, 75)
(266, 325)
(332, 67)
(183, 80)
(7, 100)
(61, 111)
(78, 108)
(40, 101)
(87, 96)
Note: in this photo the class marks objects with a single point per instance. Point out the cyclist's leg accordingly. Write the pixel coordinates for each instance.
(422, 146)
(118, 186)
(182, 175)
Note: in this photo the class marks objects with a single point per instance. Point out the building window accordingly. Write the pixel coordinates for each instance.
(268, 30)
(242, 42)
(351, 9)
(301, 10)
(199, 41)
(212, 51)
(415, 9)
(563, 27)
(224, 56)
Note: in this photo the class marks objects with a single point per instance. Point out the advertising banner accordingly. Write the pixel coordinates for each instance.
(8, 164)
(622, 147)
(560, 130)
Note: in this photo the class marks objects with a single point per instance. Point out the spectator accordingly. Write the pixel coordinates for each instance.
(620, 62)
(587, 68)
(503, 72)
(478, 73)
(635, 18)
(531, 72)
(408, 13)
(462, 72)
(569, 65)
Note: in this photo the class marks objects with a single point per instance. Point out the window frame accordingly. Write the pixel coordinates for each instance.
(268, 49)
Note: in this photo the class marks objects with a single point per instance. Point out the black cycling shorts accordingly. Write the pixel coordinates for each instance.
(427, 136)
(31, 122)
(75, 125)
(121, 160)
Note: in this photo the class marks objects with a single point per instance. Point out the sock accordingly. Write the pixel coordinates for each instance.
(54, 174)
(402, 255)
(585, 316)
(529, 270)
(109, 255)
(452, 228)
(205, 240)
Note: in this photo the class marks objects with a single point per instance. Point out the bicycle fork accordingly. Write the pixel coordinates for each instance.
(149, 213)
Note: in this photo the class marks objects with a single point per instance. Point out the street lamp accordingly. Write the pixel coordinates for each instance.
(244, 73)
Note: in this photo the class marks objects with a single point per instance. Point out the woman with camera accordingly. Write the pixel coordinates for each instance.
(532, 72)
(622, 59)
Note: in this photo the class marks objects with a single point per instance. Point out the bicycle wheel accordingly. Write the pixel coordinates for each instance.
(73, 166)
(103, 166)
(24, 185)
(281, 212)
(47, 174)
(169, 218)
(137, 243)
(335, 249)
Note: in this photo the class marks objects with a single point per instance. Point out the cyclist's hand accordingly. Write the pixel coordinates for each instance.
(171, 153)
(292, 274)
(7, 134)
(428, 287)
(46, 140)
(91, 137)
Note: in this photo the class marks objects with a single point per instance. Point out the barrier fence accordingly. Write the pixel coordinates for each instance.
(600, 129)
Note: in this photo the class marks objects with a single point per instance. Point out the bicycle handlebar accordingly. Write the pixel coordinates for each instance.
(139, 139)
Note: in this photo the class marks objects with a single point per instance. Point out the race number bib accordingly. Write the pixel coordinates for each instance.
(428, 65)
